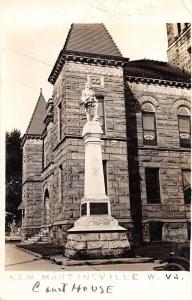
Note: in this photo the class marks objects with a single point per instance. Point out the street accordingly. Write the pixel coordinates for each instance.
(18, 260)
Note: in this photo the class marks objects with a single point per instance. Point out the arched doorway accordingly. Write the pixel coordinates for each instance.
(46, 208)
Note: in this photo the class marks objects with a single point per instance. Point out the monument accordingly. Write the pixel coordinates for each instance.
(96, 234)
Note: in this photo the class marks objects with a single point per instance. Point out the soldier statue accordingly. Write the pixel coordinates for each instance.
(89, 100)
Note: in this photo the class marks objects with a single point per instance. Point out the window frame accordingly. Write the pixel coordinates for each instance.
(102, 103)
(184, 143)
(153, 142)
(148, 188)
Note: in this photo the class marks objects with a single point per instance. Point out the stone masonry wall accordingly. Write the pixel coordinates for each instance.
(172, 32)
(177, 53)
(167, 156)
(32, 160)
(32, 191)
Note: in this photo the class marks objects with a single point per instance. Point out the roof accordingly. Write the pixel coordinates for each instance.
(91, 38)
(36, 124)
(155, 69)
(89, 42)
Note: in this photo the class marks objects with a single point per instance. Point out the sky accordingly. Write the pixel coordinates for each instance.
(35, 33)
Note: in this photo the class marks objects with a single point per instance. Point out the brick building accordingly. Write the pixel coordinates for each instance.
(145, 115)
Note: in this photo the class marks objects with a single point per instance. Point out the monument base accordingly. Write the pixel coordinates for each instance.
(97, 237)
(97, 245)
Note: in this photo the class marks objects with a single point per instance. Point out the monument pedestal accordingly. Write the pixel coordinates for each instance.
(96, 234)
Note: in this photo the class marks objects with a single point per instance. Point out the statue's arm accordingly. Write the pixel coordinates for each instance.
(83, 98)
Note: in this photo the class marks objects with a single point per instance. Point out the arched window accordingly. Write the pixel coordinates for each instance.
(149, 124)
(46, 208)
(184, 126)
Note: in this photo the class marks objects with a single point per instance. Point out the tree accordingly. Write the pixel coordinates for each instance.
(13, 173)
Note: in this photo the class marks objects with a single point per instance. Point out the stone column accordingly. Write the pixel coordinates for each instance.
(95, 200)
(96, 234)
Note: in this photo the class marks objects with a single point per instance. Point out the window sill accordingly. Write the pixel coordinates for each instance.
(156, 204)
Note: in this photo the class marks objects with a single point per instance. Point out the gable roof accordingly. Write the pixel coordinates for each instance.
(36, 124)
(91, 38)
(147, 68)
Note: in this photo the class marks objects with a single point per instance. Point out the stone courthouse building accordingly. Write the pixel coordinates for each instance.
(144, 108)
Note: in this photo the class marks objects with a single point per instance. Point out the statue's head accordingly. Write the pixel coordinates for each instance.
(87, 85)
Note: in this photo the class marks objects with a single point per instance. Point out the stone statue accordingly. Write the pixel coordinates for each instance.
(14, 227)
(89, 100)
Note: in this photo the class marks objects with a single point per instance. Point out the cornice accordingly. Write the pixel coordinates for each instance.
(159, 81)
(30, 136)
(84, 58)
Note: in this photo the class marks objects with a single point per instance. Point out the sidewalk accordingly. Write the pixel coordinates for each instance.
(59, 259)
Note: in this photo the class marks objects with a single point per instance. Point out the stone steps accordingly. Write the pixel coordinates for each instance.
(41, 237)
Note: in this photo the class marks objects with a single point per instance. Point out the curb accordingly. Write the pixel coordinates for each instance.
(12, 240)
(69, 262)
(31, 252)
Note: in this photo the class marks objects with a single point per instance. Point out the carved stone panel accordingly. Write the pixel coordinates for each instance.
(95, 81)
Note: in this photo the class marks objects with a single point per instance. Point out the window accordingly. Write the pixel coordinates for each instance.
(46, 208)
(23, 213)
(187, 186)
(60, 184)
(152, 185)
(179, 28)
(155, 231)
(186, 25)
(149, 131)
(45, 154)
(101, 112)
(105, 174)
(149, 126)
(184, 127)
(60, 120)
(189, 231)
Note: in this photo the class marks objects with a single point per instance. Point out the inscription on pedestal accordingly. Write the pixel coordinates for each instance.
(101, 221)
(98, 208)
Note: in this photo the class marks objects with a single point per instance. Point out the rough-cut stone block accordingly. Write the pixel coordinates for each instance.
(114, 253)
(122, 236)
(89, 237)
(70, 253)
(97, 245)
(108, 236)
(118, 244)
(76, 245)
